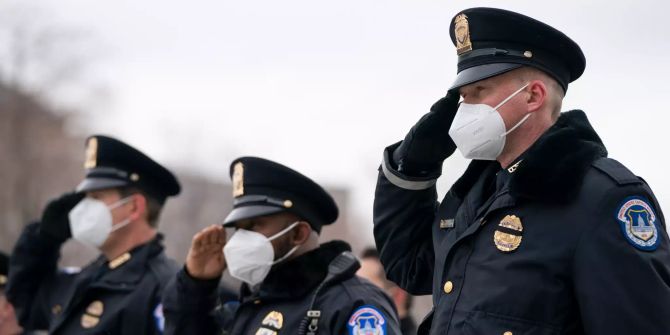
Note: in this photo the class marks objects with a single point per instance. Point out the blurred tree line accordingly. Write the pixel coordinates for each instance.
(43, 69)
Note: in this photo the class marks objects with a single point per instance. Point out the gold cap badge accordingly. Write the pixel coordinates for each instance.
(462, 33)
(508, 241)
(3, 279)
(238, 180)
(91, 153)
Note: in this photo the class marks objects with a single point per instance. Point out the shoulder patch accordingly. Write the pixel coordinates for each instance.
(367, 320)
(638, 223)
(616, 171)
(159, 318)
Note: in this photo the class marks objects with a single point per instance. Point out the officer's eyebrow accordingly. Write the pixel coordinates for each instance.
(469, 89)
(93, 194)
(245, 224)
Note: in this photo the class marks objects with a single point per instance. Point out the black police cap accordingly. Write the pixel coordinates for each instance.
(491, 41)
(262, 187)
(111, 163)
(4, 268)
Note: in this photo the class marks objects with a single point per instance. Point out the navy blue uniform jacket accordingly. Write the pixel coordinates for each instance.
(564, 241)
(282, 302)
(121, 296)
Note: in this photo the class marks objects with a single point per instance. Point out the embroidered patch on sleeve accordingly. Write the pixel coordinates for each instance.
(638, 223)
(159, 318)
(367, 320)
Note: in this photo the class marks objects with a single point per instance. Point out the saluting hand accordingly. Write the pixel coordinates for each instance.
(55, 221)
(205, 258)
(428, 143)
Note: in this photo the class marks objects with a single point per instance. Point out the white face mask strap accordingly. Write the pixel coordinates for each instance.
(120, 225)
(283, 231)
(117, 205)
(516, 126)
(287, 255)
(511, 96)
(120, 203)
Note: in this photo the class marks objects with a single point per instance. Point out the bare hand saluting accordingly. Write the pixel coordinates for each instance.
(205, 258)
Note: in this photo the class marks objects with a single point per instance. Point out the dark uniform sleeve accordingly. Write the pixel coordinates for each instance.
(188, 305)
(622, 283)
(404, 209)
(34, 277)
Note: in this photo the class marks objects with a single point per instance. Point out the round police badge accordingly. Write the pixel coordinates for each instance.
(367, 320)
(507, 237)
(638, 223)
(274, 320)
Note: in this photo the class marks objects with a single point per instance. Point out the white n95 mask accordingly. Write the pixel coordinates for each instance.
(479, 131)
(91, 221)
(250, 256)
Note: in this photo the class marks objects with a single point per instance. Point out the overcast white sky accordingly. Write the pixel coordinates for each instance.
(324, 86)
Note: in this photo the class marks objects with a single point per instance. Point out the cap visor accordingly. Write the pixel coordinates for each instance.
(481, 72)
(248, 212)
(94, 184)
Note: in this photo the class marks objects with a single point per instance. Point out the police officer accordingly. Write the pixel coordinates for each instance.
(543, 233)
(291, 284)
(115, 209)
(9, 325)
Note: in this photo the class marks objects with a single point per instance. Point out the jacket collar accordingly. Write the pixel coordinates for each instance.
(128, 268)
(552, 169)
(298, 276)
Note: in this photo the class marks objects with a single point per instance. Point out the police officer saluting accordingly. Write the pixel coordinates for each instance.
(115, 209)
(292, 285)
(542, 234)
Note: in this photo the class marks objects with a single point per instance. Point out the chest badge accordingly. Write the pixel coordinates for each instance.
(271, 324)
(93, 313)
(274, 320)
(265, 331)
(507, 237)
(638, 223)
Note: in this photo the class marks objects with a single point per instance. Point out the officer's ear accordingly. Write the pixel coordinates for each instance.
(538, 95)
(301, 233)
(139, 207)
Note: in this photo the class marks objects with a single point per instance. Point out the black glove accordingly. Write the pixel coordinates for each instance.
(428, 143)
(55, 221)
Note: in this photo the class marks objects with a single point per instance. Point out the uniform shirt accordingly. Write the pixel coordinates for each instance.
(121, 296)
(348, 305)
(564, 241)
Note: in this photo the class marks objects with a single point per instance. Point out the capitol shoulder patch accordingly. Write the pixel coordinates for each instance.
(159, 318)
(638, 223)
(367, 320)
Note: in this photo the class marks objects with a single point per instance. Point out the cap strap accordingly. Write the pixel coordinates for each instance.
(491, 52)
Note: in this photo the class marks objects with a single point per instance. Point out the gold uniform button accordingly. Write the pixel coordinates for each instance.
(508, 333)
(448, 287)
